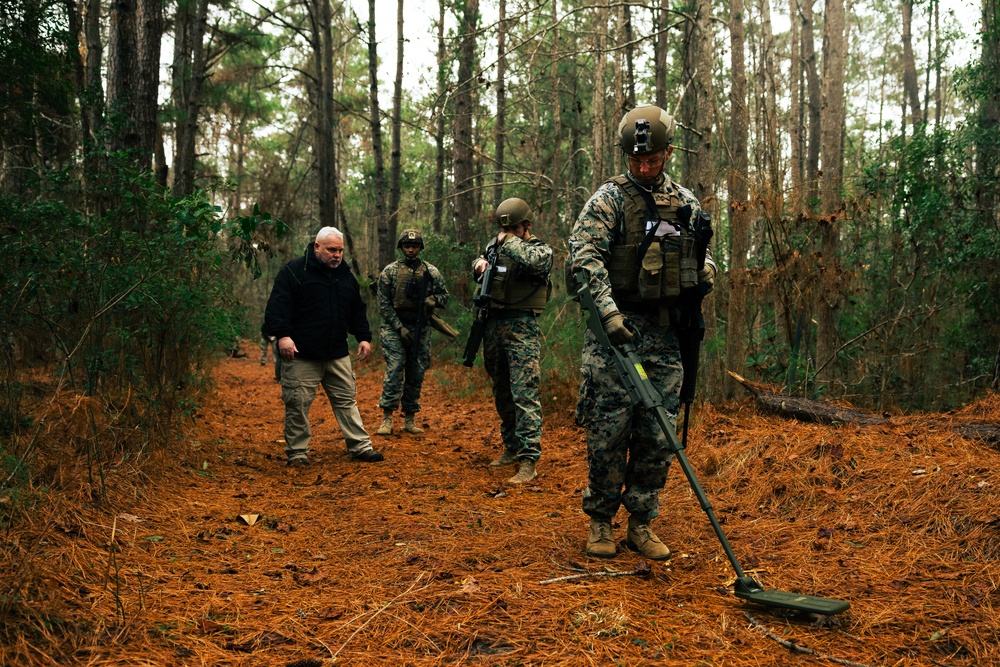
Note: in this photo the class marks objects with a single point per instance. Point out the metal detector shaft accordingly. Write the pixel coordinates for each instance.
(642, 392)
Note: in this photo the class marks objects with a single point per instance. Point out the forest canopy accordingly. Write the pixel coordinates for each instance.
(159, 162)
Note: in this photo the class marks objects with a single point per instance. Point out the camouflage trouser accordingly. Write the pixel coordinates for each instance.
(404, 375)
(511, 349)
(627, 454)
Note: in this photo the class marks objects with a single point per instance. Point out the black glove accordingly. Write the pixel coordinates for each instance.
(615, 325)
(405, 334)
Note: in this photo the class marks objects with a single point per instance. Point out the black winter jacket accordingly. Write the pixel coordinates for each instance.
(317, 307)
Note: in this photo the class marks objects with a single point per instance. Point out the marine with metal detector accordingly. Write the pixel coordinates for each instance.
(514, 288)
(635, 244)
(408, 291)
(644, 395)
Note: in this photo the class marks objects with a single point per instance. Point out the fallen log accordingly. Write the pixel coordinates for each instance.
(804, 409)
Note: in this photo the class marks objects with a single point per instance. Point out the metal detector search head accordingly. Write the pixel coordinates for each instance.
(748, 589)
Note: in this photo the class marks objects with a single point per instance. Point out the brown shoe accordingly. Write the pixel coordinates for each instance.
(525, 473)
(601, 541)
(505, 460)
(386, 427)
(641, 538)
(409, 426)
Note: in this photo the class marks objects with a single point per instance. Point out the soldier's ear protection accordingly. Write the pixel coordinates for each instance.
(642, 138)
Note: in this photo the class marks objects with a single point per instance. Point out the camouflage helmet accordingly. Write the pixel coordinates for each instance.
(513, 211)
(410, 236)
(645, 129)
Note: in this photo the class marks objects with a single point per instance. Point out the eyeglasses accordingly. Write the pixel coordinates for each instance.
(647, 161)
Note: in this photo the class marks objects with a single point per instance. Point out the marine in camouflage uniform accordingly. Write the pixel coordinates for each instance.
(408, 289)
(627, 453)
(512, 337)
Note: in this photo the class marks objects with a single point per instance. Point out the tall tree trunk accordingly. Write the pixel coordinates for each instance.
(704, 41)
(796, 124)
(815, 105)
(123, 76)
(739, 207)
(134, 76)
(770, 144)
(499, 136)
(385, 249)
(187, 93)
(834, 63)
(688, 103)
(599, 114)
(463, 148)
(629, 57)
(149, 24)
(439, 111)
(321, 41)
(662, 20)
(557, 169)
(910, 85)
(395, 168)
(92, 64)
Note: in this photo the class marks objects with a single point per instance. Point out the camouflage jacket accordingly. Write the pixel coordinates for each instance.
(387, 291)
(531, 252)
(602, 218)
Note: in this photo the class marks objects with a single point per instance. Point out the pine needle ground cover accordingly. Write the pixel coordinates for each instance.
(217, 554)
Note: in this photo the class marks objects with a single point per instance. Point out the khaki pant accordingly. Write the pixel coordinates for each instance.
(299, 379)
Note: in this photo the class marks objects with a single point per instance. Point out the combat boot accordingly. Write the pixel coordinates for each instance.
(409, 426)
(505, 460)
(600, 542)
(525, 473)
(386, 427)
(641, 538)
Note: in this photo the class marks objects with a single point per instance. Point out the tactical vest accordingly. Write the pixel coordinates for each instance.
(406, 300)
(516, 288)
(670, 262)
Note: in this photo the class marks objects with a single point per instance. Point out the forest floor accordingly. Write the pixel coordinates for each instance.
(223, 556)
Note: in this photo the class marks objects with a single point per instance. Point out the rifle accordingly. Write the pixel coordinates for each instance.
(418, 328)
(643, 392)
(481, 304)
(690, 324)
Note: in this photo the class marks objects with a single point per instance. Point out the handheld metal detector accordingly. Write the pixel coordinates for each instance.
(642, 392)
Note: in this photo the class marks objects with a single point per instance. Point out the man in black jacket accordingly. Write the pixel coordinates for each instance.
(314, 305)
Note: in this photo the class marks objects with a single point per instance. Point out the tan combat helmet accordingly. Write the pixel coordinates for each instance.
(645, 129)
(410, 236)
(513, 211)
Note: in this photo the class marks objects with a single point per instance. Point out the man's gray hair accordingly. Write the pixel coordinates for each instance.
(329, 231)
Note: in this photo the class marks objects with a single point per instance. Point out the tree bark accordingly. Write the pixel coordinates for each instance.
(629, 57)
(815, 105)
(662, 14)
(834, 62)
(703, 173)
(395, 166)
(189, 59)
(796, 124)
(385, 249)
(739, 210)
(439, 125)
(463, 149)
(499, 136)
(557, 169)
(134, 76)
(597, 100)
(911, 92)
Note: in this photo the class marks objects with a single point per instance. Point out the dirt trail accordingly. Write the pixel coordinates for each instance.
(428, 558)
